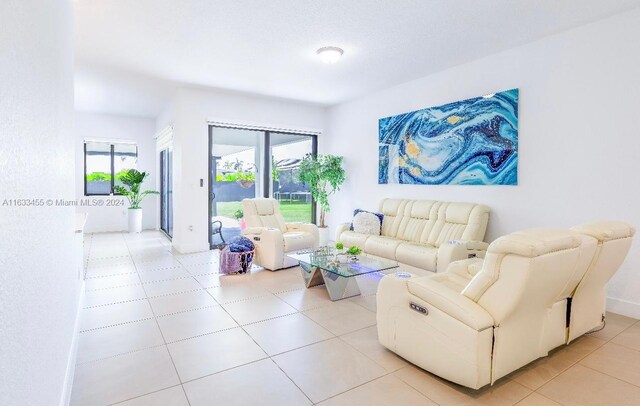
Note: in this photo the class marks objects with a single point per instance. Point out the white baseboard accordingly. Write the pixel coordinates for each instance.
(623, 307)
(71, 362)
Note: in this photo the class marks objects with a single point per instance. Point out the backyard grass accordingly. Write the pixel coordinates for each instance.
(291, 211)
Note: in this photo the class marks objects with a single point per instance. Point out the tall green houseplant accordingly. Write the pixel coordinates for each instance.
(324, 175)
(133, 180)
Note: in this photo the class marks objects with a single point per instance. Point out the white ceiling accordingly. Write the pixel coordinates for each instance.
(131, 54)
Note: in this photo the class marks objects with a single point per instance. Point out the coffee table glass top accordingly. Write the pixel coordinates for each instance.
(343, 267)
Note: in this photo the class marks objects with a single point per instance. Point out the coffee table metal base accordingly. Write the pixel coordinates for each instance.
(338, 287)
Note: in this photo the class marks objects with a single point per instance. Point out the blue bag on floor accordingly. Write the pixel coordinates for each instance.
(237, 256)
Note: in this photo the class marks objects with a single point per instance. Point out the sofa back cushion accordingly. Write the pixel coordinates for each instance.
(261, 212)
(393, 211)
(459, 221)
(433, 222)
(419, 218)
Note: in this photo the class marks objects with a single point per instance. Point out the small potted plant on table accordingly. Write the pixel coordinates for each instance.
(353, 253)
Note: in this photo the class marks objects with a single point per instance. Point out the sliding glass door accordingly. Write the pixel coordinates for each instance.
(166, 191)
(287, 151)
(248, 163)
(236, 160)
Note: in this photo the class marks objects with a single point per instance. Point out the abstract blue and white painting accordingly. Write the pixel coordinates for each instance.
(469, 142)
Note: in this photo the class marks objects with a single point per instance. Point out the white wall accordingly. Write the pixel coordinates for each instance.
(113, 127)
(579, 142)
(39, 282)
(189, 113)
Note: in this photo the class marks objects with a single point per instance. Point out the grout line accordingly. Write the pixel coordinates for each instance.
(227, 369)
(114, 287)
(268, 293)
(114, 303)
(619, 345)
(603, 373)
(369, 381)
(164, 340)
(188, 310)
(162, 268)
(110, 275)
(173, 293)
(202, 335)
(258, 344)
(291, 380)
(115, 325)
(144, 298)
(136, 397)
(120, 354)
(139, 283)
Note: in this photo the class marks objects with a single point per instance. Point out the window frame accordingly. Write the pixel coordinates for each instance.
(112, 165)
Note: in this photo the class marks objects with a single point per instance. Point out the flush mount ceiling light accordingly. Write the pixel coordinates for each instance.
(330, 54)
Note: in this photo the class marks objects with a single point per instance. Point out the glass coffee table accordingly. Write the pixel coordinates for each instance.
(339, 278)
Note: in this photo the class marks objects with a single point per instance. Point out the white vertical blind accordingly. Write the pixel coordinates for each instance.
(259, 127)
(164, 138)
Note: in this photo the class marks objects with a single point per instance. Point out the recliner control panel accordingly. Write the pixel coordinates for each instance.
(419, 309)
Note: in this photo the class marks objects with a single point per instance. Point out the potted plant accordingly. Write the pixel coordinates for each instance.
(239, 215)
(353, 253)
(132, 179)
(324, 175)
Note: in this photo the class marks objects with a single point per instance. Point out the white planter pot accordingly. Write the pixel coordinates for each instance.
(135, 220)
(324, 236)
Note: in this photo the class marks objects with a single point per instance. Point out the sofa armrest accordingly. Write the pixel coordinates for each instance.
(269, 244)
(341, 229)
(253, 231)
(264, 234)
(306, 228)
(465, 268)
(458, 250)
(452, 303)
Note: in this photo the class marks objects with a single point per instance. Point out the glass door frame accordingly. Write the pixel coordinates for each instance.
(266, 170)
(164, 160)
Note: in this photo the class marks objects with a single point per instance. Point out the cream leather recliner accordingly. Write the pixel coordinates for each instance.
(424, 235)
(483, 319)
(588, 302)
(273, 237)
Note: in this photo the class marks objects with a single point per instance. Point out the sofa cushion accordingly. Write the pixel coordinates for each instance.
(351, 238)
(380, 217)
(365, 222)
(418, 255)
(381, 246)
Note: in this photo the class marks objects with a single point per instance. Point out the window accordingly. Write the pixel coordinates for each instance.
(104, 162)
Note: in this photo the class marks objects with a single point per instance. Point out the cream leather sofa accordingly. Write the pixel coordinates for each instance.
(273, 237)
(418, 234)
(482, 319)
(588, 302)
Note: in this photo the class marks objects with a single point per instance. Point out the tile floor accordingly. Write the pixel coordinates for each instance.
(165, 329)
